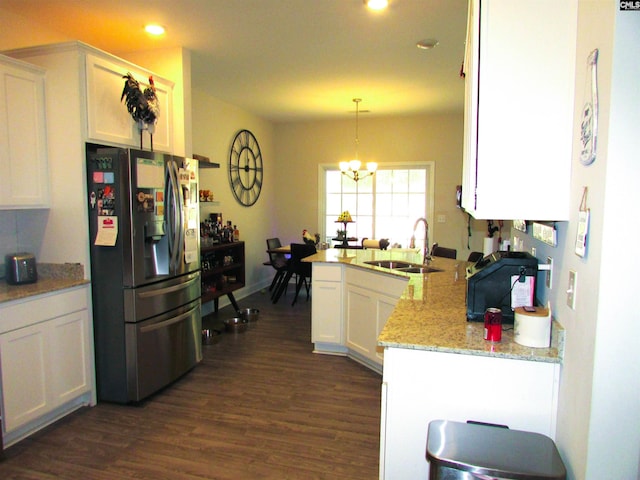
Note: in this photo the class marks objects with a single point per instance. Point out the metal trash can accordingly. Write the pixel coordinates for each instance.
(470, 451)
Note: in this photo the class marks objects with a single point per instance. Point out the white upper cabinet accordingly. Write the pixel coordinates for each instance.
(519, 96)
(83, 90)
(96, 79)
(24, 182)
(107, 117)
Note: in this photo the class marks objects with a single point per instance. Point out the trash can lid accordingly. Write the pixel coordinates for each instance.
(494, 451)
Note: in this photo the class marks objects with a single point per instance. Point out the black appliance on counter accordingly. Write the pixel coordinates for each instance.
(491, 280)
(145, 269)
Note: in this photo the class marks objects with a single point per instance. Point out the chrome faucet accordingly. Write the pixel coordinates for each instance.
(425, 248)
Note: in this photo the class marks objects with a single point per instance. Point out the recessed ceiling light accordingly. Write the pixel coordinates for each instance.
(376, 4)
(427, 44)
(154, 29)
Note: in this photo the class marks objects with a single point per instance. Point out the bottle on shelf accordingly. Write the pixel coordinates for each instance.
(236, 234)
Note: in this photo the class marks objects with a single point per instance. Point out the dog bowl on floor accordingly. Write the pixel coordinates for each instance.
(210, 336)
(249, 314)
(235, 325)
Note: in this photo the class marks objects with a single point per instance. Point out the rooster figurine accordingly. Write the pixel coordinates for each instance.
(142, 105)
(310, 239)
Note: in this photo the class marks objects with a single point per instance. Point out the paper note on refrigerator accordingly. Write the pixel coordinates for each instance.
(191, 245)
(107, 231)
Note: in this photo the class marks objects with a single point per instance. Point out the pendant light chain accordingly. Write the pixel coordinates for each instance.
(357, 102)
(352, 168)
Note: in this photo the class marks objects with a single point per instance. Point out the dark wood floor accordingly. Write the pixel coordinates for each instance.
(260, 406)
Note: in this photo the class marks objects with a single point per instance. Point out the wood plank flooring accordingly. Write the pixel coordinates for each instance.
(260, 406)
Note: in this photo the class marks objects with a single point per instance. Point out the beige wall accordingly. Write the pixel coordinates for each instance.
(292, 152)
(599, 411)
(302, 146)
(598, 432)
(215, 124)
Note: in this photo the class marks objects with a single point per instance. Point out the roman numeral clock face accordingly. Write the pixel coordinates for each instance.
(245, 168)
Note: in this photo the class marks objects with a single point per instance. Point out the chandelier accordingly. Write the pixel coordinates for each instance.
(352, 168)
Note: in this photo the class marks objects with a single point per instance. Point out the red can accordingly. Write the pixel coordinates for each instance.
(493, 324)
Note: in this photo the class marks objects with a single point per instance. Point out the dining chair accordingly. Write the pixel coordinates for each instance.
(438, 251)
(278, 261)
(296, 267)
(300, 268)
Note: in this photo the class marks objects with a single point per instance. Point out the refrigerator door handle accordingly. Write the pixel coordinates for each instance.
(175, 238)
(166, 290)
(181, 215)
(165, 323)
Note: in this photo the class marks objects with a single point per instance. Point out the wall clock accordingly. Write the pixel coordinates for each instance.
(245, 168)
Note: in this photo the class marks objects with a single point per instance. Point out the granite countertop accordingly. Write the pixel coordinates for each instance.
(431, 313)
(51, 277)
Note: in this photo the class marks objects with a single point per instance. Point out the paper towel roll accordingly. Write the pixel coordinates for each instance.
(533, 329)
(490, 245)
(370, 243)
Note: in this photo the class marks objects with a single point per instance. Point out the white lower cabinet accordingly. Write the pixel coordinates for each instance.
(326, 309)
(367, 312)
(24, 363)
(369, 300)
(420, 386)
(46, 361)
(349, 309)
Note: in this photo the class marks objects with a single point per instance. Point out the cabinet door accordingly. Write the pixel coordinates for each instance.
(361, 321)
(69, 357)
(24, 182)
(108, 119)
(520, 75)
(24, 362)
(326, 307)
(367, 313)
(369, 300)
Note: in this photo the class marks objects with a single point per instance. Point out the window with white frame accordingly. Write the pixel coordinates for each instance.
(385, 205)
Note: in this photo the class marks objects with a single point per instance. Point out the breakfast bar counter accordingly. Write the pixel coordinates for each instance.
(431, 315)
(431, 311)
(435, 364)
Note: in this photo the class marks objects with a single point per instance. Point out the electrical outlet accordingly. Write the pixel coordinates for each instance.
(549, 272)
(442, 218)
(571, 290)
(533, 251)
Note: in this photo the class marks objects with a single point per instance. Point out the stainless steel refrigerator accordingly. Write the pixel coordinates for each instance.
(145, 269)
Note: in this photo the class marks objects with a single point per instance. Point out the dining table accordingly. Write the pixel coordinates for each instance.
(285, 249)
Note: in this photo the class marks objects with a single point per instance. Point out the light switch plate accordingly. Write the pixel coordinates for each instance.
(571, 290)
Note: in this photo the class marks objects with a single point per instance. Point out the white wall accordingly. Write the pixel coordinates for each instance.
(598, 432)
(614, 430)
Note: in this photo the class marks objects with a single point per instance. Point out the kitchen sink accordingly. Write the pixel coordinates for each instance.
(418, 269)
(389, 264)
(405, 267)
